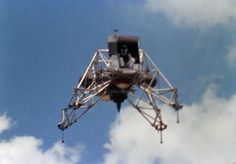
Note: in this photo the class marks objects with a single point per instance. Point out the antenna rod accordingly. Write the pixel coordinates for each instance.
(116, 32)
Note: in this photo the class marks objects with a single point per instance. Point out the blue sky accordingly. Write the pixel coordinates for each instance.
(46, 45)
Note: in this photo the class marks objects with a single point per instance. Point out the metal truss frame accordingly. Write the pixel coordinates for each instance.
(143, 96)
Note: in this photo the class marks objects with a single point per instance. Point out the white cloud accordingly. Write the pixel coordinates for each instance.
(195, 13)
(5, 123)
(206, 134)
(27, 149)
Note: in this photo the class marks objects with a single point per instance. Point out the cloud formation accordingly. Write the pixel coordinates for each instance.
(195, 13)
(5, 123)
(27, 149)
(206, 134)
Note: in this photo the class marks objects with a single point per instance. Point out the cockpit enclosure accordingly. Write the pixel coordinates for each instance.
(117, 43)
(125, 49)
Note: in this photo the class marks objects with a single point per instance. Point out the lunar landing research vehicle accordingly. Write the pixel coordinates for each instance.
(122, 72)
